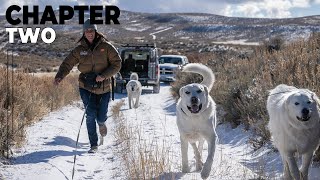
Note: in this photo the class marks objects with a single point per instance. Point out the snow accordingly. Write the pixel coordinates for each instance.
(159, 31)
(50, 147)
(136, 27)
(161, 27)
(196, 18)
(240, 42)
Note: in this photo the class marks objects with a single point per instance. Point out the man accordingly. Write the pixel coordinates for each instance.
(98, 60)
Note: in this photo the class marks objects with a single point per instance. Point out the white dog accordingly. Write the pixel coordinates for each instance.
(295, 127)
(196, 118)
(134, 90)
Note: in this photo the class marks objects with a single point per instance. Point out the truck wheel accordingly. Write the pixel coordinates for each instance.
(119, 88)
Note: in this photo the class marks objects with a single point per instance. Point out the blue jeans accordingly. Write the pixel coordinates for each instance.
(97, 109)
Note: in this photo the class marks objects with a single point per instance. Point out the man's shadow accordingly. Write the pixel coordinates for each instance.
(45, 156)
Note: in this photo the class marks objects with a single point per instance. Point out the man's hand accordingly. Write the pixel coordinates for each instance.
(99, 79)
(57, 81)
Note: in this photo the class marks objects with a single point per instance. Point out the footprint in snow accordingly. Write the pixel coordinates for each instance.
(88, 177)
(110, 159)
(81, 170)
(97, 171)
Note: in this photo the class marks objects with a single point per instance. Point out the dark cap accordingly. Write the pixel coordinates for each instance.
(88, 25)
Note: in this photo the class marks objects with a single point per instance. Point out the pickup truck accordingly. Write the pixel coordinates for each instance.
(169, 64)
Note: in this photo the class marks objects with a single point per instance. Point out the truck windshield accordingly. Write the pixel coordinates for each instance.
(172, 60)
(137, 55)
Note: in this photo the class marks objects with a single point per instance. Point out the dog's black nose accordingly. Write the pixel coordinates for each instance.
(132, 89)
(194, 100)
(305, 111)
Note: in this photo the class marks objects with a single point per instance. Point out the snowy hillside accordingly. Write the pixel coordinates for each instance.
(177, 33)
(49, 150)
(191, 28)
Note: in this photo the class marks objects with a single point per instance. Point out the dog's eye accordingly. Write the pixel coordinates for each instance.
(199, 91)
(296, 103)
(309, 102)
(187, 92)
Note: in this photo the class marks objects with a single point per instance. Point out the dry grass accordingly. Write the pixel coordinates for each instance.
(142, 159)
(25, 99)
(29, 62)
(148, 159)
(242, 85)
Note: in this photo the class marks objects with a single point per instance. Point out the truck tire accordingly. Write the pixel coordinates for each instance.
(119, 87)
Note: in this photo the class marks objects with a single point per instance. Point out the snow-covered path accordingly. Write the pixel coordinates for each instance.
(48, 152)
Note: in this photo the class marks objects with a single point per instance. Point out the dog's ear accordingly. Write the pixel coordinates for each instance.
(316, 99)
(206, 90)
(286, 101)
(181, 91)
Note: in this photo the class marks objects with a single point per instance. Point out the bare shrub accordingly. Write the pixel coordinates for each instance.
(143, 159)
(115, 110)
(274, 44)
(26, 99)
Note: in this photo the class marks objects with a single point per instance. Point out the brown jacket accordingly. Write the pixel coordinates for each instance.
(104, 59)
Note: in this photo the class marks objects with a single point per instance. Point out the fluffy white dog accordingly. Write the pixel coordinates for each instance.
(196, 118)
(134, 90)
(295, 127)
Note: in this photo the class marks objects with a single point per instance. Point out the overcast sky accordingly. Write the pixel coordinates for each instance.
(232, 8)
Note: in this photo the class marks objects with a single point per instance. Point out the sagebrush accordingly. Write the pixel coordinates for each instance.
(242, 84)
(26, 98)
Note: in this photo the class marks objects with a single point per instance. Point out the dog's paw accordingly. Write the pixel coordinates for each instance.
(185, 169)
(204, 174)
(205, 171)
(101, 140)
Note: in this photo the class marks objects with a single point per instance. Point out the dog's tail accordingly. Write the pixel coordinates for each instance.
(134, 76)
(204, 71)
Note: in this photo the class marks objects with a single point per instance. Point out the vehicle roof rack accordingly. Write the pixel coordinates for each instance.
(139, 45)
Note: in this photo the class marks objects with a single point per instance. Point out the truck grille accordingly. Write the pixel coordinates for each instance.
(166, 71)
